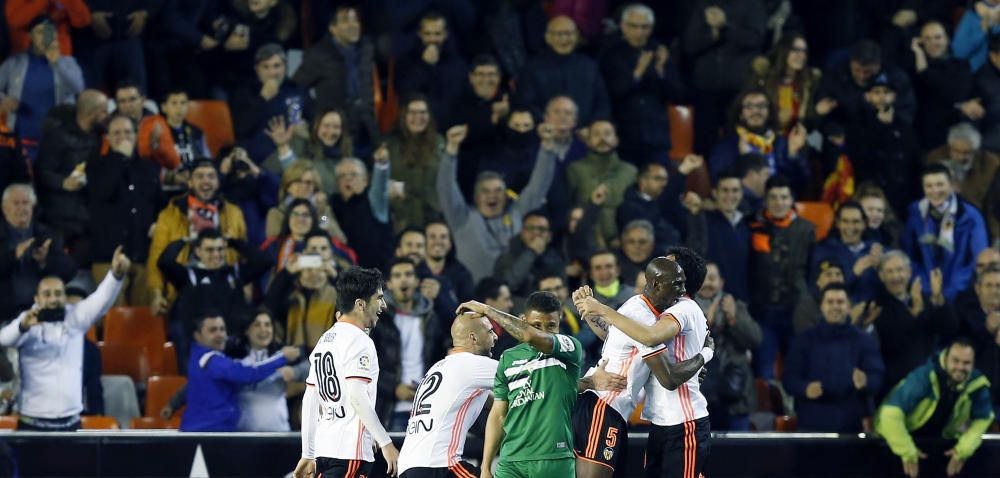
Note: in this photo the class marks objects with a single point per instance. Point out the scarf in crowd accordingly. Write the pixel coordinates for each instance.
(286, 251)
(939, 223)
(202, 215)
(763, 228)
(789, 101)
(760, 143)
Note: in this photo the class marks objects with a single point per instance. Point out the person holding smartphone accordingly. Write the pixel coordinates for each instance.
(49, 337)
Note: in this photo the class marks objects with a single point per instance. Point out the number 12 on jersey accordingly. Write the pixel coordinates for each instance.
(431, 384)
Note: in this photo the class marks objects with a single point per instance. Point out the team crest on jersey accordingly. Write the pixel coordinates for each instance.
(364, 363)
(608, 453)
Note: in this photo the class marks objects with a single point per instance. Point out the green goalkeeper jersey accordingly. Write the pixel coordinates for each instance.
(540, 391)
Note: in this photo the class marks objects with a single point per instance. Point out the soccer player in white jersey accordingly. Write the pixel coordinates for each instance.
(339, 422)
(601, 418)
(678, 440)
(448, 402)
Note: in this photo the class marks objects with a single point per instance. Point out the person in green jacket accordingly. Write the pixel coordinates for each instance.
(601, 167)
(919, 407)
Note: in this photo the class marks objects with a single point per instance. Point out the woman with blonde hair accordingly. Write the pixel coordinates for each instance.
(302, 180)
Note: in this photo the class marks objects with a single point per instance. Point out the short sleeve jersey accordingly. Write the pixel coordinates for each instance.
(625, 357)
(540, 391)
(344, 352)
(447, 403)
(687, 403)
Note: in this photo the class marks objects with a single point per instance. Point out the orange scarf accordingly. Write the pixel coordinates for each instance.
(763, 144)
(202, 215)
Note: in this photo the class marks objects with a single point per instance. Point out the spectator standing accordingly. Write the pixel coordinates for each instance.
(415, 151)
(51, 351)
(560, 70)
(858, 258)
(529, 257)
(944, 232)
(726, 231)
(972, 35)
(842, 93)
(910, 323)
(647, 198)
(980, 322)
(442, 262)
(364, 208)
(184, 217)
(64, 14)
(883, 227)
(973, 170)
(948, 399)
(113, 43)
(123, 194)
(340, 68)
(30, 252)
(214, 380)
(327, 144)
(781, 243)
(302, 181)
(70, 136)
(35, 81)
(943, 83)
(640, 79)
(986, 104)
(832, 369)
(252, 189)
(721, 38)
(410, 342)
(268, 104)
(435, 69)
(189, 140)
(484, 104)
(785, 75)
(483, 233)
(730, 380)
(601, 167)
(412, 244)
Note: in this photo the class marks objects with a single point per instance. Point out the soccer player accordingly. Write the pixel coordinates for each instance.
(600, 417)
(448, 402)
(678, 440)
(533, 393)
(338, 412)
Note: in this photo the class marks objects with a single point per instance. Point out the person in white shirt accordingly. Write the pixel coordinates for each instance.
(448, 402)
(678, 440)
(49, 338)
(339, 422)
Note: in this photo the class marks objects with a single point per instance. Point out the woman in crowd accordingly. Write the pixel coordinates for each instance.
(326, 144)
(414, 151)
(786, 76)
(302, 181)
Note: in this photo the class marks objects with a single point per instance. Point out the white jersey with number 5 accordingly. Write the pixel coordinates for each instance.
(447, 403)
(343, 353)
(665, 407)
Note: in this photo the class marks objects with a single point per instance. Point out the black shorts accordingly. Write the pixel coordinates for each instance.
(600, 433)
(458, 470)
(337, 468)
(678, 451)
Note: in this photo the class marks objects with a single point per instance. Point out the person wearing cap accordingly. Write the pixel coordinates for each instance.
(35, 80)
(269, 108)
(883, 146)
(841, 95)
(123, 194)
(184, 217)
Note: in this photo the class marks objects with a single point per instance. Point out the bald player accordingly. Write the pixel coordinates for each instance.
(447, 403)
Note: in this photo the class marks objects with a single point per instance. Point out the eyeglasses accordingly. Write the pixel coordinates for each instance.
(760, 105)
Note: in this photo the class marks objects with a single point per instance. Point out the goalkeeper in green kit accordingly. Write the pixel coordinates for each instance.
(533, 393)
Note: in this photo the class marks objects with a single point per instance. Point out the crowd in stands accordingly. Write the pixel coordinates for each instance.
(486, 150)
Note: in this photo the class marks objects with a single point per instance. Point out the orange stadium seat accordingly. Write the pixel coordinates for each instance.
(159, 391)
(818, 213)
(134, 325)
(98, 422)
(125, 359)
(786, 423)
(214, 119)
(8, 422)
(681, 131)
(169, 360)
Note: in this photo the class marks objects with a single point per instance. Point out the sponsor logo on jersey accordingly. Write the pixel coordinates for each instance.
(526, 395)
(566, 344)
(328, 337)
(364, 363)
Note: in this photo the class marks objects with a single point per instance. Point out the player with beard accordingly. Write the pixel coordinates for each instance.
(678, 441)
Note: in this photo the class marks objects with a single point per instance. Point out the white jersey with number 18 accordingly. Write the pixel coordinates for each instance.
(344, 352)
(447, 403)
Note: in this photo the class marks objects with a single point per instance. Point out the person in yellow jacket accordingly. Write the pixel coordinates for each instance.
(184, 216)
(945, 398)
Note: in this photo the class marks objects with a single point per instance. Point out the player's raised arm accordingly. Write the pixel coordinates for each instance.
(649, 335)
(519, 329)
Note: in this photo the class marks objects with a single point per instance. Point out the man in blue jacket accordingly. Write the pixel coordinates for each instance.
(944, 231)
(214, 379)
(832, 369)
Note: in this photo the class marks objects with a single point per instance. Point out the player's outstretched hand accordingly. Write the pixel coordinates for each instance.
(305, 469)
(607, 381)
(391, 455)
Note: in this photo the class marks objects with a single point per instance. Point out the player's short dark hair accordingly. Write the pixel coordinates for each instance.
(866, 52)
(402, 260)
(693, 265)
(206, 235)
(488, 288)
(936, 168)
(544, 302)
(778, 181)
(356, 284)
(484, 60)
(836, 286)
(962, 341)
